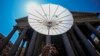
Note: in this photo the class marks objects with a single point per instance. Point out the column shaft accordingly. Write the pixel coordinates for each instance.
(68, 47)
(20, 49)
(76, 43)
(13, 50)
(31, 45)
(37, 44)
(27, 45)
(97, 46)
(82, 37)
(91, 28)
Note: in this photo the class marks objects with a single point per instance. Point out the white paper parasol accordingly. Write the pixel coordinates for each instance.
(50, 19)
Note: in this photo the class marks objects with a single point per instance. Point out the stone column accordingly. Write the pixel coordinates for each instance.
(77, 44)
(31, 45)
(13, 50)
(97, 46)
(6, 40)
(20, 49)
(89, 47)
(37, 44)
(27, 45)
(91, 28)
(68, 47)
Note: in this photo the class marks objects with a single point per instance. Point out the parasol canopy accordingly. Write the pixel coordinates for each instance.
(50, 19)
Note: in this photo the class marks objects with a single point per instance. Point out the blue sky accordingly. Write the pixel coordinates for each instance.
(14, 9)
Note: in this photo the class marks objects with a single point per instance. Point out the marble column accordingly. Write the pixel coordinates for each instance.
(6, 40)
(20, 49)
(82, 37)
(37, 45)
(91, 28)
(27, 45)
(31, 45)
(76, 43)
(68, 48)
(13, 50)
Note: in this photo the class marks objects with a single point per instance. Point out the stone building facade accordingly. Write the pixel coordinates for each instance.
(76, 42)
